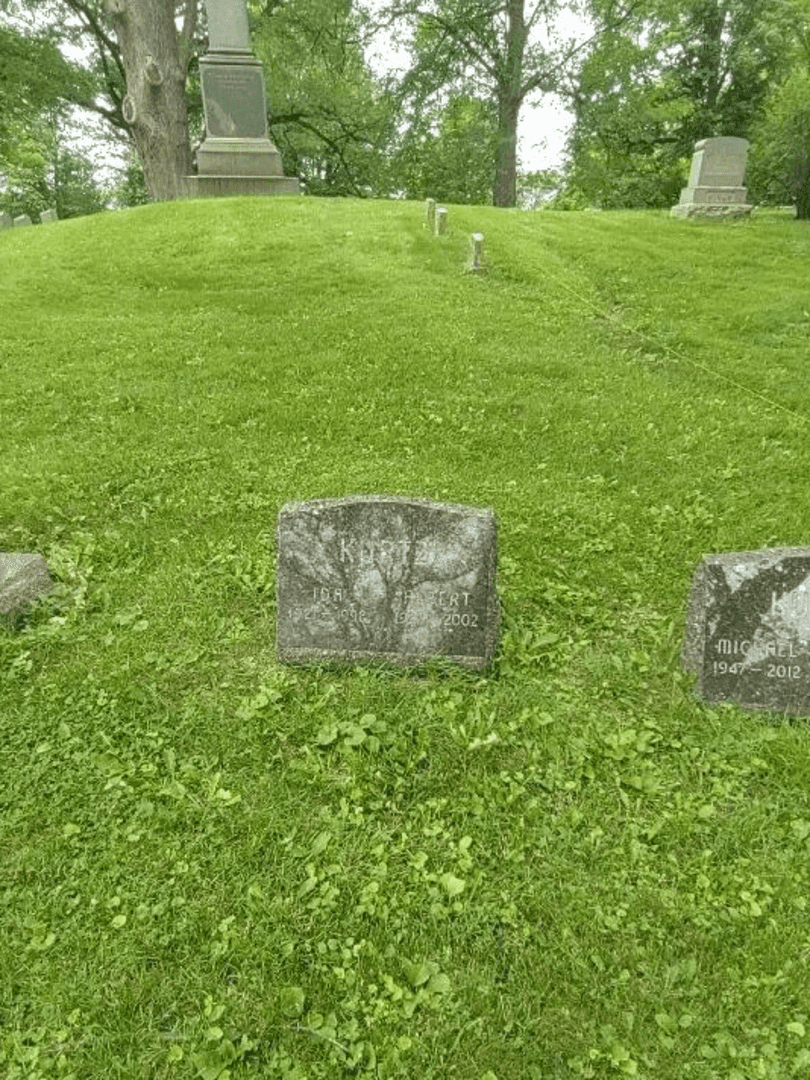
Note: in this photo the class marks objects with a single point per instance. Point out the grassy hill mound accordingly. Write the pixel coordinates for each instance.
(214, 866)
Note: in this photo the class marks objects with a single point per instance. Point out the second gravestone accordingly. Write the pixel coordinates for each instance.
(389, 579)
(716, 186)
(748, 629)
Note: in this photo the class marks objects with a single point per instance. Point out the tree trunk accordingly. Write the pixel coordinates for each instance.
(510, 98)
(803, 189)
(506, 153)
(155, 103)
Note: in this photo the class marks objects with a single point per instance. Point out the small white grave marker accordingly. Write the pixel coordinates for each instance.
(476, 265)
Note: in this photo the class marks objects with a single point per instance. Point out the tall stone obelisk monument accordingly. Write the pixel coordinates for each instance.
(236, 157)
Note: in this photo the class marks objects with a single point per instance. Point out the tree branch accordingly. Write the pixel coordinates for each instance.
(103, 40)
(112, 116)
(301, 119)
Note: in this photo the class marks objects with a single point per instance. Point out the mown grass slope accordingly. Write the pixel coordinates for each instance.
(214, 866)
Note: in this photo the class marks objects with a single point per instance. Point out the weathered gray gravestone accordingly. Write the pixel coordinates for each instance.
(236, 156)
(6, 221)
(23, 219)
(441, 220)
(386, 579)
(748, 629)
(23, 577)
(716, 185)
(430, 214)
(47, 216)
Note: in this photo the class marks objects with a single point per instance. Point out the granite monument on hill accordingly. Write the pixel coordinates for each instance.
(236, 157)
(716, 187)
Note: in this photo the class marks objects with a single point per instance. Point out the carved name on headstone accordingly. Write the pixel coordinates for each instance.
(388, 579)
(748, 629)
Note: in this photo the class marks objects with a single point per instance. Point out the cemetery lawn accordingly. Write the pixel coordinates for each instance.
(565, 867)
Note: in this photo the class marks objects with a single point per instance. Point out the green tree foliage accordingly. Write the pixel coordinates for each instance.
(783, 150)
(34, 76)
(331, 119)
(130, 190)
(779, 166)
(448, 154)
(498, 51)
(40, 173)
(75, 189)
(625, 147)
(671, 75)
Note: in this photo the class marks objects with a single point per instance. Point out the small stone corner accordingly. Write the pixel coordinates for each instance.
(24, 578)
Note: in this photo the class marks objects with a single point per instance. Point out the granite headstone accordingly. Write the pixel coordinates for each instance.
(6, 221)
(386, 579)
(23, 577)
(716, 186)
(748, 629)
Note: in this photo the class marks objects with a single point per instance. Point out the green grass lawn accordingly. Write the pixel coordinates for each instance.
(567, 867)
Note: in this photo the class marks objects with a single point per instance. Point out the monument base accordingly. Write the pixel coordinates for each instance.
(209, 187)
(711, 210)
(238, 157)
(712, 201)
(716, 196)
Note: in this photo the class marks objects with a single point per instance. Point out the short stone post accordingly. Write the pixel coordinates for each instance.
(430, 215)
(476, 265)
(441, 220)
